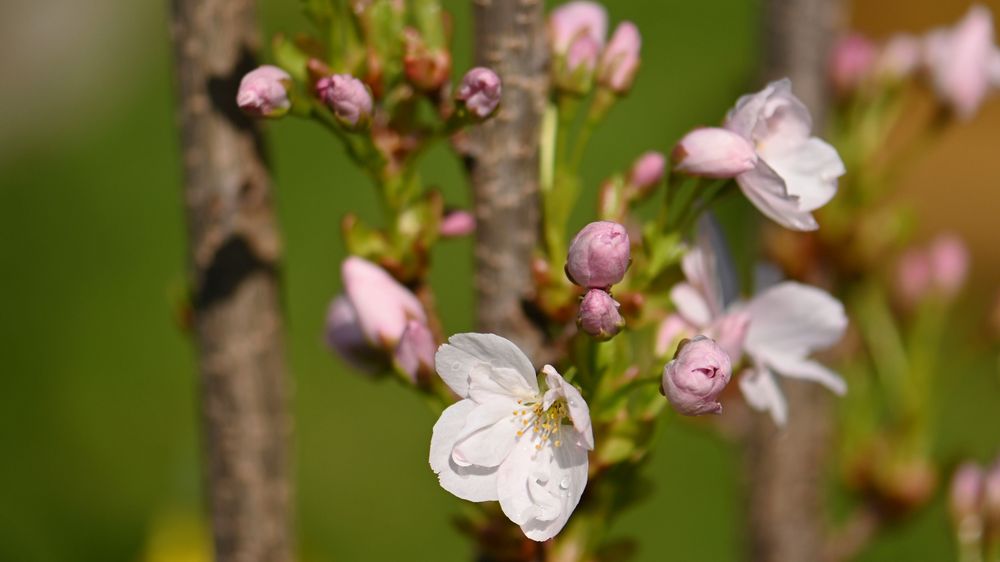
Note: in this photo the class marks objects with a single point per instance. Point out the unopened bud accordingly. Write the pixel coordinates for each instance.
(714, 153)
(264, 92)
(383, 306)
(620, 60)
(913, 276)
(851, 62)
(573, 19)
(457, 223)
(599, 255)
(949, 261)
(966, 495)
(425, 67)
(647, 170)
(693, 380)
(348, 98)
(415, 353)
(344, 335)
(480, 92)
(599, 315)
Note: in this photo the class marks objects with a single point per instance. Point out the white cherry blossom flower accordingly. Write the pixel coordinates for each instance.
(777, 329)
(795, 173)
(508, 441)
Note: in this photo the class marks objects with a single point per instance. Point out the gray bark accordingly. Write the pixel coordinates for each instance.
(233, 254)
(503, 162)
(786, 468)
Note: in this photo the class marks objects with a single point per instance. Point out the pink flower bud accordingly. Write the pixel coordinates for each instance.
(457, 223)
(715, 153)
(949, 262)
(647, 171)
(599, 315)
(264, 92)
(480, 91)
(599, 255)
(415, 353)
(965, 498)
(900, 57)
(582, 55)
(573, 19)
(693, 380)
(913, 275)
(851, 62)
(383, 306)
(348, 97)
(344, 335)
(620, 60)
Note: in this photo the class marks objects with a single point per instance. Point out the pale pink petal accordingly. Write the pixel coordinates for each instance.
(793, 319)
(456, 360)
(810, 171)
(672, 329)
(471, 483)
(806, 369)
(579, 412)
(691, 305)
(382, 304)
(766, 190)
(762, 393)
(488, 434)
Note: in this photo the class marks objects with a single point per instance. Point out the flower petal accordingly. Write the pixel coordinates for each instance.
(471, 483)
(766, 190)
(691, 305)
(488, 434)
(793, 319)
(579, 412)
(810, 170)
(539, 489)
(806, 369)
(762, 393)
(457, 360)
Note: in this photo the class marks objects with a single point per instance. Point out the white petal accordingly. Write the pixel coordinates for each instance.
(766, 190)
(742, 119)
(539, 489)
(701, 271)
(472, 483)
(579, 412)
(456, 360)
(810, 171)
(806, 369)
(762, 393)
(488, 434)
(793, 319)
(488, 383)
(691, 305)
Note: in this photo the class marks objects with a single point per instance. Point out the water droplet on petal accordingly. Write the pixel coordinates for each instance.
(564, 484)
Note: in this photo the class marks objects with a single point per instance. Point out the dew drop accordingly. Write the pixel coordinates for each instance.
(564, 484)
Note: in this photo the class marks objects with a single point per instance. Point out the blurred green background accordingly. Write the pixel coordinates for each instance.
(98, 415)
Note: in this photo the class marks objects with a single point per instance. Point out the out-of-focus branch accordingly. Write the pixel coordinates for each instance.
(233, 251)
(785, 469)
(503, 163)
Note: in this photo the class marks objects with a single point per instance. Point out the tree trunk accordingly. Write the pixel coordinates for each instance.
(233, 254)
(786, 468)
(503, 162)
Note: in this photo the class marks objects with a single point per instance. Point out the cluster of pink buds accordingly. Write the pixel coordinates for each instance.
(941, 268)
(577, 32)
(598, 258)
(961, 62)
(377, 321)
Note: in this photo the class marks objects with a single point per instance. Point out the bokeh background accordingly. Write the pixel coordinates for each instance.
(99, 447)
